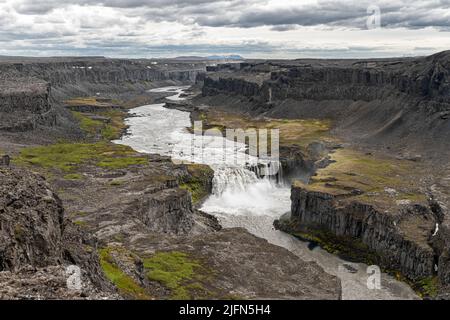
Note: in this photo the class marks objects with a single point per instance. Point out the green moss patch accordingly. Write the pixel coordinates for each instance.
(115, 128)
(428, 287)
(73, 176)
(80, 223)
(180, 273)
(67, 156)
(196, 189)
(379, 180)
(83, 101)
(126, 285)
(299, 132)
(197, 182)
(90, 126)
(110, 130)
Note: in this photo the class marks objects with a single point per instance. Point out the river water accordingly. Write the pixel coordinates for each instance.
(240, 198)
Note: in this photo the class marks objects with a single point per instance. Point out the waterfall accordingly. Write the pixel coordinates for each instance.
(272, 170)
(234, 179)
(239, 191)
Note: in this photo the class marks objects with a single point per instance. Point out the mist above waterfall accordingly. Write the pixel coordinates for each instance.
(261, 198)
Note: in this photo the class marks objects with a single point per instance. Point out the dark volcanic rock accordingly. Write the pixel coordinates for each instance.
(36, 243)
(25, 103)
(31, 221)
(167, 211)
(252, 268)
(86, 76)
(49, 283)
(397, 105)
(145, 212)
(395, 240)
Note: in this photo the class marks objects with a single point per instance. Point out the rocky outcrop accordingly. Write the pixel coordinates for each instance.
(31, 221)
(395, 240)
(256, 269)
(5, 160)
(337, 79)
(231, 85)
(167, 211)
(36, 242)
(49, 283)
(25, 103)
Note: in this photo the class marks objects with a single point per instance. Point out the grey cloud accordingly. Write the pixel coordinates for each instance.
(284, 27)
(247, 13)
(124, 32)
(352, 14)
(44, 6)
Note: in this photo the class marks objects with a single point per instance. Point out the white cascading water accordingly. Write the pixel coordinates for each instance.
(242, 196)
(234, 179)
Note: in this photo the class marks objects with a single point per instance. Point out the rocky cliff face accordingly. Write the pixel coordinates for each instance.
(71, 76)
(24, 104)
(32, 90)
(138, 213)
(398, 102)
(337, 79)
(167, 211)
(31, 220)
(378, 236)
(37, 242)
(145, 216)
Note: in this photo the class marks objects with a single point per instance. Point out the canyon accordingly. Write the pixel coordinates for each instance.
(382, 196)
(364, 149)
(148, 238)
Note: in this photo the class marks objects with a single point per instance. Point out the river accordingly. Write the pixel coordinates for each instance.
(239, 198)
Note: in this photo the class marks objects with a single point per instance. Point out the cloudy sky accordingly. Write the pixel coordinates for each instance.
(251, 28)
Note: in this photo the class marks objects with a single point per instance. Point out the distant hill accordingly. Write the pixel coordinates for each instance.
(213, 57)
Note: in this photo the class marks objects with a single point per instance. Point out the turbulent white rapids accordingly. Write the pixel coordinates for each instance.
(240, 198)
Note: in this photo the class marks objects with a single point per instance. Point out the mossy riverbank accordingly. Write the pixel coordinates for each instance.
(375, 179)
(67, 157)
(99, 127)
(298, 132)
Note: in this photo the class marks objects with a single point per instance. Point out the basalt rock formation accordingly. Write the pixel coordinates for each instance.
(403, 103)
(32, 221)
(25, 103)
(78, 76)
(37, 243)
(385, 238)
(124, 219)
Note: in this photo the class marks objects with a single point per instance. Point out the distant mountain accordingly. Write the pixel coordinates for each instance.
(229, 57)
(213, 57)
